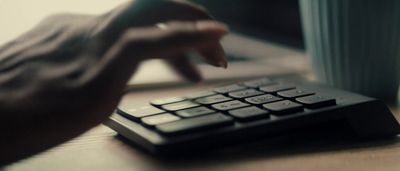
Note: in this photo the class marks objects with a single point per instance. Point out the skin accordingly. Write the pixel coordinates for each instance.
(68, 74)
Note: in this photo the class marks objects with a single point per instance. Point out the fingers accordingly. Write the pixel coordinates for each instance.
(178, 37)
(213, 52)
(185, 68)
(137, 45)
(214, 55)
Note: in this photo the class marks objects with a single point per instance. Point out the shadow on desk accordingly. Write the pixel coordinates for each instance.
(314, 149)
(312, 140)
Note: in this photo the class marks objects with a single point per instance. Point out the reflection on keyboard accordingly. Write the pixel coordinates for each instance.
(247, 109)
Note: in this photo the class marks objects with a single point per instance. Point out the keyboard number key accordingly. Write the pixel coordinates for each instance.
(179, 105)
(284, 107)
(249, 113)
(213, 99)
(245, 93)
(263, 99)
(194, 112)
(277, 87)
(229, 105)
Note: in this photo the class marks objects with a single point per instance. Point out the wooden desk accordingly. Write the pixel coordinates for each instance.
(100, 149)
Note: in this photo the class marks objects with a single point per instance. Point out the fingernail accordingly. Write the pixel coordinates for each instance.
(215, 63)
(223, 64)
(212, 26)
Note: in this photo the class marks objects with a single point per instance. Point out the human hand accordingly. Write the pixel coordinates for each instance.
(68, 74)
(151, 12)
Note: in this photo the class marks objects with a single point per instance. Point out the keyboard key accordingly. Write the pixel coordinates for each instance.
(194, 112)
(245, 93)
(229, 105)
(159, 119)
(213, 99)
(229, 88)
(164, 101)
(249, 113)
(294, 93)
(196, 123)
(316, 101)
(258, 83)
(284, 107)
(200, 94)
(263, 99)
(276, 88)
(179, 105)
(136, 113)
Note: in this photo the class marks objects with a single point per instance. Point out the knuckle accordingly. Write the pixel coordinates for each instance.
(181, 28)
(178, 34)
(144, 39)
(178, 25)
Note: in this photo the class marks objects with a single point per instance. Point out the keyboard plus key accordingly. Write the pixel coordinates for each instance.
(249, 113)
(258, 83)
(196, 123)
(267, 98)
(294, 93)
(284, 107)
(194, 112)
(213, 99)
(276, 88)
(316, 101)
(229, 88)
(136, 113)
(245, 93)
(159, 119)
(179, 105)
(229, 105)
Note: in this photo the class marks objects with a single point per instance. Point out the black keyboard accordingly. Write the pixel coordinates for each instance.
(248, 110)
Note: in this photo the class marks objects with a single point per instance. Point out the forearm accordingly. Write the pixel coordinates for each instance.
(68, 76)
(36, 116)
(38, 109)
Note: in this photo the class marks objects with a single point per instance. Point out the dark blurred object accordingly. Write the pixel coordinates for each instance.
(277, 20)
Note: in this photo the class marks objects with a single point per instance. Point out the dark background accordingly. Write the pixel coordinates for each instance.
(276, 20)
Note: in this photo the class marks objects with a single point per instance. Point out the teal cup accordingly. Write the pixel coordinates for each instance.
(354, 44)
